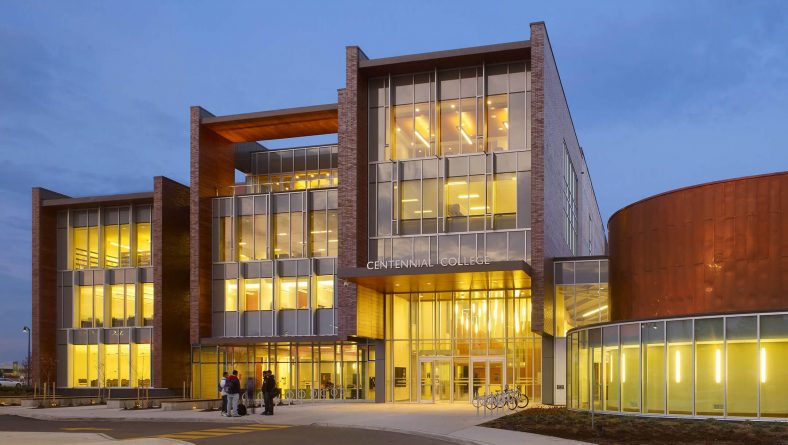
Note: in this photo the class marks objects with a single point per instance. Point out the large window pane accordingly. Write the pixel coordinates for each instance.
(117, 304)
(653, 365)
(79, 248)
(504, 200)
(111, 246)
(261, 237)
(773, 362)
(450, 127)
(286, 295)
(85, 309)
(131, 304)
(282, 229)
(98, 305)
(741, 374)
(318, 233)
(709, 366)
(230, 295)
(630, 368)
(404, 140)
(497, 123)
(245, 238)
(252, 294)
(333, 233)
(679, 336)
(610, 369)
(143, 244)
(410, 206)
(147, 304)
(323, 291)
(224, 229)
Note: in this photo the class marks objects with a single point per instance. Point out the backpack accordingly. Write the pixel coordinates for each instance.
(233, 386)
(241, 409)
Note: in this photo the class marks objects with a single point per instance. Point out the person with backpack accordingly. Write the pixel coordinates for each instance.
(233, 388)
(223, 393)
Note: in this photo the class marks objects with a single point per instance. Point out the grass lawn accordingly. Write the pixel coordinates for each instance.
(609, 429)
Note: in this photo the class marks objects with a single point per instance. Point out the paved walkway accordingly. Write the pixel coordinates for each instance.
(454, 422)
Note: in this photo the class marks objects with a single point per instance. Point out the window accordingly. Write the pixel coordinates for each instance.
(413, 111)
(85, 247)
(258, 294)
(260, 237)
(497, 122)
(460, 112)
(230, 295)
(123, 305)
(504, 200)
(147, 304)
(292, 293)
(465, 203)
(117, 246)
(245, 238)
(289, 235)
(323, 292)
(89, 310)
(224, 231)
(570, 202)
(143, 244)
(140, 371)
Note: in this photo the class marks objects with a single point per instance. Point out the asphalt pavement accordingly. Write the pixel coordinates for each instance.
(219, 432)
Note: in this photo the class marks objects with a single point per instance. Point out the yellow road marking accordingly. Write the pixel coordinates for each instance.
(225, 431)
(85, 428)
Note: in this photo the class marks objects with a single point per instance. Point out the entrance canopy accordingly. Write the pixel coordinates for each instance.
(438, 278)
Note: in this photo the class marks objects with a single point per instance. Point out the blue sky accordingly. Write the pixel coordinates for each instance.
(94, 96)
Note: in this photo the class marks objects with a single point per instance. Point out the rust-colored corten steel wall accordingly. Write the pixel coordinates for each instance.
(712, 248)
(171, 349)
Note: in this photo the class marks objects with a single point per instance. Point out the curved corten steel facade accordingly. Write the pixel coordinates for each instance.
(712, 248)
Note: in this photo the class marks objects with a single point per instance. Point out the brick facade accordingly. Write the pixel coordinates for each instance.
(170, 349)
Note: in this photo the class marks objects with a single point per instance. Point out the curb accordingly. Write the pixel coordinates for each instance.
(443, 437)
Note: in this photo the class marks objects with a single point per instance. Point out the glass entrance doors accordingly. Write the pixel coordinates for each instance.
(446, 380)
(435, 380)
(487, 376)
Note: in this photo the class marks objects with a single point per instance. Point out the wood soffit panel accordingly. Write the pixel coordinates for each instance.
(275, 124)
(498, 275)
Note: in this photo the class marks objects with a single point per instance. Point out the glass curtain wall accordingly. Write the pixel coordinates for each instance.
(108, 358)
(122, 239)
(448, 346)
(581, 294)
(729, 366)
(283, 170)
(342, 371)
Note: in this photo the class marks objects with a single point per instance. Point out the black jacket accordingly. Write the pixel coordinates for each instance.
(270, 384)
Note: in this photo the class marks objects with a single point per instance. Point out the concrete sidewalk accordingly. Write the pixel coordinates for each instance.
(453, 422)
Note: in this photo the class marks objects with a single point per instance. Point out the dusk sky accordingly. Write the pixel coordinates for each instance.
(95, 96)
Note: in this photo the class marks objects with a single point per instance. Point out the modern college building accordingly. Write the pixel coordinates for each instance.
(445, 246)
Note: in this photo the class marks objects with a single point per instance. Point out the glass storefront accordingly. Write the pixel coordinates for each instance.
(725, 366)
(448, 346)
(108, 358)
(304, 370)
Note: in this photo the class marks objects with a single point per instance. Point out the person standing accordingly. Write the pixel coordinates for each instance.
(223, 393)
(250, 387)
(269, 386)
(233, 386)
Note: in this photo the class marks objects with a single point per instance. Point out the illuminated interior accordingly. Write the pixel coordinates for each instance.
(109, 365)
(447, 346)
(730, 366)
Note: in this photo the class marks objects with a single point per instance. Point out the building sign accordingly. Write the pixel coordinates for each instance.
(405, 264)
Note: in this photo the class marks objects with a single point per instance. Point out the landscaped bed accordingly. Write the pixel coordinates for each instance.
(609, 429)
